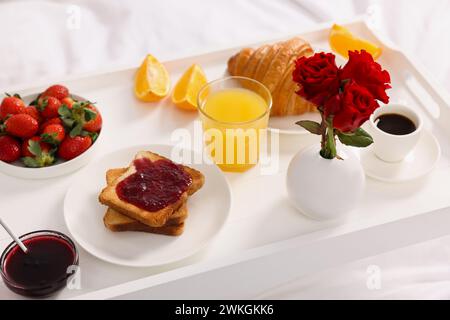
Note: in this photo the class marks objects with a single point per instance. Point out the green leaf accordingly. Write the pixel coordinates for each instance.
(68, 122)
(93, 135)
(50, 138)
(89, 114)
(16, 95)
(311, 126)
(41, 106)
(76, 131)
(359, 138)
(45, 159)
(30, 162)
(64, 111)
(76, 105)
(34, 147)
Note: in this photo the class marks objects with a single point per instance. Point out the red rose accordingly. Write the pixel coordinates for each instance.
(333, 105)
(317, 77)
(362, 69)
(352, 108)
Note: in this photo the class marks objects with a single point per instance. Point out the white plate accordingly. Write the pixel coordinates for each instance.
(419, 162)
(19, 170)
(208, 211)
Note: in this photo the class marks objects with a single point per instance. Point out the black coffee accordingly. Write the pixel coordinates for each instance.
(394, 123)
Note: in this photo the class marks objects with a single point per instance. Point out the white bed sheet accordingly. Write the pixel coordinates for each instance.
(48, 39)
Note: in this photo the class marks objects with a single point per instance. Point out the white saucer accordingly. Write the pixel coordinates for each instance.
(419, 162)
(208, 211)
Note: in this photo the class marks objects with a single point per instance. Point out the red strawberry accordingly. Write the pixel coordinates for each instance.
(53, 134)
(73, 147)
(26, 144)
(95, 124)
(32, 111)
(58, 91)
(9, 149)
(49, 122)
(22, 126)
(48, 106)
(68, 101)
(36, 153)
(10, 106)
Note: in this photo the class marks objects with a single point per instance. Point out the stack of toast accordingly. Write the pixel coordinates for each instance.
(124, 216)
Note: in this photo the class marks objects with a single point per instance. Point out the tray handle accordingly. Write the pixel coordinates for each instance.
(433, 89)
(420, 77)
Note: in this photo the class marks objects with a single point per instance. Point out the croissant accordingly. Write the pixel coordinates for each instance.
(273, 65)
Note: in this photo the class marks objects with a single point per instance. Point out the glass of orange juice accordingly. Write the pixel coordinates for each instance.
(234, 113)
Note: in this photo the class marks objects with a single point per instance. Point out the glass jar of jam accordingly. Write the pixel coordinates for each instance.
(44, 269)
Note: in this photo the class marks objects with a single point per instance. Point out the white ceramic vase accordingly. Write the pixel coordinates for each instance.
(325, 189)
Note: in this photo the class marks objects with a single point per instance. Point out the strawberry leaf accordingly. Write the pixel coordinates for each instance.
(89, 114)
(45, 159)
(50, 138)
(93, 135)
(41, 106)
(64, 111)
(30, 162)
(68, 122)
(76, 131)
(34, 147)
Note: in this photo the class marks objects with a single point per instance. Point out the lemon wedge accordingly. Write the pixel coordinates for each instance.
(186, 90)
(152, 82)
(342, 41)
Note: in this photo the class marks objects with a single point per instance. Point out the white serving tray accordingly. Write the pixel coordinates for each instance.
(266, 241)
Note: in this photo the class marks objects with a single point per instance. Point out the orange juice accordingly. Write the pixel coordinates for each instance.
(232, 122)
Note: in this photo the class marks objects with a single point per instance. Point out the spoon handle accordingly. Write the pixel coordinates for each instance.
(17, 240)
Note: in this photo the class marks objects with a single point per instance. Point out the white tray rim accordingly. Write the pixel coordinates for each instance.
(320, 239)
(290, 246)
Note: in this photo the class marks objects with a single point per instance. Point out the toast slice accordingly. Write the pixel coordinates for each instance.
(158, 218)
(176, 218)
(117, 222)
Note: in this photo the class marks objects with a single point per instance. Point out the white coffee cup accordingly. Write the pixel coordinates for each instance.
(390, 147)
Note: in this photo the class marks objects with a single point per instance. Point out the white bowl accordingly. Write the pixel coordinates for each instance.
(60, 168)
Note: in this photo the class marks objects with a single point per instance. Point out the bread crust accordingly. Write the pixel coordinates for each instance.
(286, 87)
(120, 223)
(265, 62)
(108, 195)
(249, 69)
